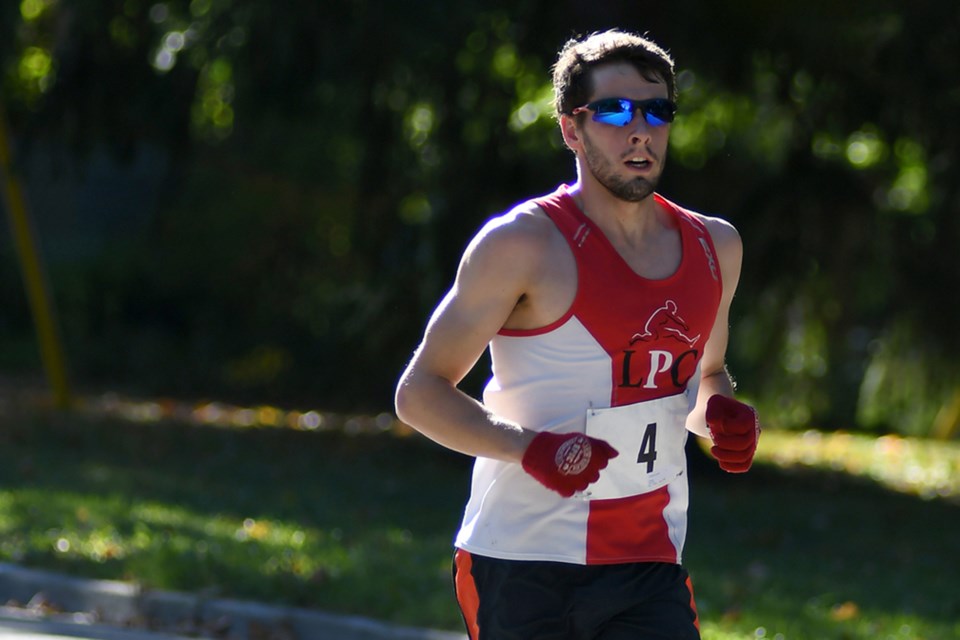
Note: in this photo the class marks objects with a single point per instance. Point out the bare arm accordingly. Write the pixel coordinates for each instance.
(494, 274)
(714, 378)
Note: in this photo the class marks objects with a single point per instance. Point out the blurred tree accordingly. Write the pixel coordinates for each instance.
(327, 164)
(847, 200)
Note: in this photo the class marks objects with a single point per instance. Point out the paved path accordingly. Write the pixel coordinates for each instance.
(17, 625)
(108, 610)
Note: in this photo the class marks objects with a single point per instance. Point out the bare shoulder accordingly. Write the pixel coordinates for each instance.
(725, 236)
(521, 237)
(525, 223)
(723, 233)
(729, 248)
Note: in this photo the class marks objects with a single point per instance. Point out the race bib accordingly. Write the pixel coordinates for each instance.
(650, 437)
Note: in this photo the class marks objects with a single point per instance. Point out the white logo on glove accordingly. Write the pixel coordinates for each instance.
(573, 456)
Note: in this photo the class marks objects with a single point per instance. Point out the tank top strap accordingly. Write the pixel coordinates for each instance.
(561, 208)
(700, 242)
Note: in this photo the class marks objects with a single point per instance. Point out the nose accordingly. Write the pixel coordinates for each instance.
(639, 129)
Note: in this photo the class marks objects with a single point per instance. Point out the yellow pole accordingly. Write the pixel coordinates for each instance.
(51, 350)
(947, 423)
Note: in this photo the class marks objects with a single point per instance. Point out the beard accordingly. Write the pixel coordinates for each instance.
(628, 189)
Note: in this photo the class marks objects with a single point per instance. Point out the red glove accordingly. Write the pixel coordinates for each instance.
(566, 462)
(735, 429)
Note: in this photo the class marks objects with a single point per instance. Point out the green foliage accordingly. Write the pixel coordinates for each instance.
(804, 546)
(319, 190)
(903, 382)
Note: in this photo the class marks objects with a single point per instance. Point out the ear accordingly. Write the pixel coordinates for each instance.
(570, 131)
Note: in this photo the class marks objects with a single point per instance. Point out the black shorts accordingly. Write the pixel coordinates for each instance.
(527, 600)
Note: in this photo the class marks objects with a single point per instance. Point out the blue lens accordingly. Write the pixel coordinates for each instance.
(653, 120)
(619, 111)
(657, 112)
(613, 111)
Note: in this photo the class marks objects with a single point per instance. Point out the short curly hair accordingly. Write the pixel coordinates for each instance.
(572, 78)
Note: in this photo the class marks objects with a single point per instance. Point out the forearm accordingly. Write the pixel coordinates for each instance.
(436, 408)
(718, 382)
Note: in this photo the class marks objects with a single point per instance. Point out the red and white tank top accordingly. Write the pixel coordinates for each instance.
(616, 366)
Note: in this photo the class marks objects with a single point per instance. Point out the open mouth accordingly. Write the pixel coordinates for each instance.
(638, 163)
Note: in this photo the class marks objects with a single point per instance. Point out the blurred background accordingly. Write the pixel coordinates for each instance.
(222, 214)
(262, 201)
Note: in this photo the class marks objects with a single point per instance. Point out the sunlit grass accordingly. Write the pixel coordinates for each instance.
(355, 524)
(926, 468)
(831, 536)
(842, 536)
(821, 555)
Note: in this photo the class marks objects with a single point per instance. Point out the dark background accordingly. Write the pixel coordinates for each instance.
(262, 201)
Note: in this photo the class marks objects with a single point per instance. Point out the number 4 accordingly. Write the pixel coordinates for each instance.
(648, 447)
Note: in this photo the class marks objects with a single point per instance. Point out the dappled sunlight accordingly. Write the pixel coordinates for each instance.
(261, 507)
(820, 554)
(36, 71)
(280, 514)
(222, 414)
(926, 468)
(107, 529)
(865, 148)
(916, 466)
(847, 614)
(241, 202)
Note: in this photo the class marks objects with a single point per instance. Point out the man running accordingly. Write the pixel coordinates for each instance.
(578, 507)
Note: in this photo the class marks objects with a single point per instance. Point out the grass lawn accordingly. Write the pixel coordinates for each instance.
(362, 523)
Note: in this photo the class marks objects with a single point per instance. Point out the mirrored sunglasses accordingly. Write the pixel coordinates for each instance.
(619, 111)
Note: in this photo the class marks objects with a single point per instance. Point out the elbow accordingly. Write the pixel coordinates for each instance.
(403, 401)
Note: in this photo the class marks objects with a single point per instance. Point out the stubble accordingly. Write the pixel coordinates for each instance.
(632, 189)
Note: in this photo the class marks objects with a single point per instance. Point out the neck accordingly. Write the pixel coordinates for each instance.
(615, 216)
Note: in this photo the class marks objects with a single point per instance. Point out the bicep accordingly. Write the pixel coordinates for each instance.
(488, 285)
(457, 334)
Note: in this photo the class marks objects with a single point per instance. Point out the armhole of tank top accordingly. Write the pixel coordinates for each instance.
(544, 205)
(537, 331)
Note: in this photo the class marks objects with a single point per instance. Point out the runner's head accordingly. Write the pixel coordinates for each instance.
(572, 77)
